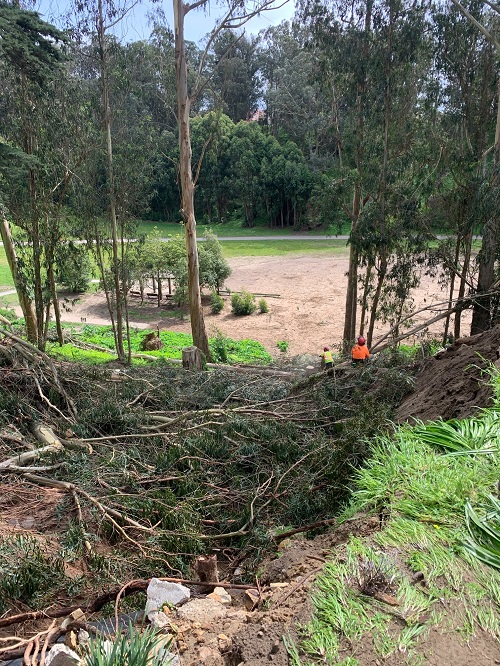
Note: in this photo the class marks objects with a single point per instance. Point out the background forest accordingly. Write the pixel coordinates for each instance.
(378, 118)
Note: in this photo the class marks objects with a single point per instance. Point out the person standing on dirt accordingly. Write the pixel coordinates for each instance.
(327, 357)
(359, 352)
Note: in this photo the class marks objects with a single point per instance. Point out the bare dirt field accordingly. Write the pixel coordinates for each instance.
(308, 314)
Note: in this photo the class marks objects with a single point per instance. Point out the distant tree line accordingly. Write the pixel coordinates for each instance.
(382, 114)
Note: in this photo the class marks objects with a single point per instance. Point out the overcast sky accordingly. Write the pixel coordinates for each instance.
(198, 23)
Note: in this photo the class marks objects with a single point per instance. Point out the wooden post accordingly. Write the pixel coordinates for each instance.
(192, 358)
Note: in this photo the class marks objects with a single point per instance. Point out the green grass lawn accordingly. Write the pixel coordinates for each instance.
(233, 228)
(270, 248)
(6, 281)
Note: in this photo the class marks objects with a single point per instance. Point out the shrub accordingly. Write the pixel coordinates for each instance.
(263, 306)
(219, 348)
(216, 303)
(282, 345)
(243, 303)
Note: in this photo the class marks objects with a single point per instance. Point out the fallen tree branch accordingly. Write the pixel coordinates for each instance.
(94, 606)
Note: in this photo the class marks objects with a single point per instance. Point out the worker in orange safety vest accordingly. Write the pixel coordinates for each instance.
(327, 357)
(359, 352)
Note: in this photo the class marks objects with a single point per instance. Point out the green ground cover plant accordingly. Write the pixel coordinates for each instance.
(431, 485)
(236, 351)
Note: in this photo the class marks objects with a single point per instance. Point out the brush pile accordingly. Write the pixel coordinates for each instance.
(115, 475)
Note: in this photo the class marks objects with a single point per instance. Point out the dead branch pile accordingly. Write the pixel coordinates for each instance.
(162, 465)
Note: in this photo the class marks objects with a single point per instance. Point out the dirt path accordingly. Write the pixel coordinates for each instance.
(308, 314)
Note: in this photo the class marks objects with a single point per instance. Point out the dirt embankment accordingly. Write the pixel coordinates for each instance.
(453, 383)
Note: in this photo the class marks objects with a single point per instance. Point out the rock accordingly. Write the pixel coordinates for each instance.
(252, 598)
(161, 593)
(83, 637)
(62, 655)
(76, 616)
(207, 655)
(159, 619)
(224, 642)
(70, 640)
(201, 610)
(221, 595)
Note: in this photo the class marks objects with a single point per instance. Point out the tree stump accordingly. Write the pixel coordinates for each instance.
(206, 568)
(192, 358)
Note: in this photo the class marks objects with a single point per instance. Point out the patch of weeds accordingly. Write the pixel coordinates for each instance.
(282, 346)
(28, 573)
(132, 648)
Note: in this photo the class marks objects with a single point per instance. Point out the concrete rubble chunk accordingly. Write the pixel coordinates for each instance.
(161, 593)
(61, 655)
(159, 619)
(202, 610)
(221, 595)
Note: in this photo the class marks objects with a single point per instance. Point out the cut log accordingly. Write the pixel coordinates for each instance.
(192, 358)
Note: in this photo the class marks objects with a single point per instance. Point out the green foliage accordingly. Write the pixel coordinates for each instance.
(219, 348)
(132, 648)
(27, 572)
(224, 349)
(73, 266)
(263, 306)
(8, 313)
(28, 43)
(243, 303)
(216, 303)
(469, 436)
(484, 539)
(282, 345)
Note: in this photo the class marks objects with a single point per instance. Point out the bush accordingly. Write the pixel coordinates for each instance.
(282, 345)
(216, 303)
(263, 306)
(243, 303)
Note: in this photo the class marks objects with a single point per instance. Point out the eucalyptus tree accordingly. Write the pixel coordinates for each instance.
(294, 96)
(466, 60)
(31, 49)
(235, 16)
(235, 85)
(373, 55)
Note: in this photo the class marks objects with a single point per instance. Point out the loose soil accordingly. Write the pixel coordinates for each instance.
(453, 383)
(308, 311)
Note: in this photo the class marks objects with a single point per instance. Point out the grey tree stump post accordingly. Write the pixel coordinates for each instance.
(192, 358)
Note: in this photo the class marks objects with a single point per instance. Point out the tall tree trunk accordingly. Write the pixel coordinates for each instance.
(53, 291)
(24, 301)
(364, 300)
(351, 300)
(198, 329)
(482, 312)
(463, 283)
(120, 349)
(382, 272)
(452, 288)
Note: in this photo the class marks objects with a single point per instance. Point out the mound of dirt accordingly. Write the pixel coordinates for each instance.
(452, 384)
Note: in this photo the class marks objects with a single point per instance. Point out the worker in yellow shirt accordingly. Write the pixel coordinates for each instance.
(359, 352)
(327, 357)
